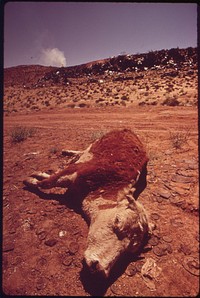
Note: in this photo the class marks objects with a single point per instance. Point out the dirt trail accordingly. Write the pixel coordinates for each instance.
(44, 237)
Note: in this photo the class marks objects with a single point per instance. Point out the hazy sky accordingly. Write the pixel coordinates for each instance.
(72, 33)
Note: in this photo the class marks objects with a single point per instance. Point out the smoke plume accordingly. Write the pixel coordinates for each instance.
(52, 57)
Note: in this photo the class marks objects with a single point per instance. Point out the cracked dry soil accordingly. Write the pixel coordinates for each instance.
(44, 235)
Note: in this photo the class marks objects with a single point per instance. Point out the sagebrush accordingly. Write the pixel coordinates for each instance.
(21, 133)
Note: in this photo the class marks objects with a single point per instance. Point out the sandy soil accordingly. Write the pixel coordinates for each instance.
(44, 237)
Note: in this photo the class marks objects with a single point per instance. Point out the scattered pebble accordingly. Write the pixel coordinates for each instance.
(163, 206)
(73, 247)
(176, 222)
(139, 265)
(159, 199)
(131, 270)
(61, 208)
(185, 173)
(12, 230)
(181, 179)
(51, 242)
(62, 233)
(155, 216)
(167, 239)
(5, 202)
(41, 235)
(17, 260)
(164, 194)
(162, 249)
(67, 260)
(8, 245)
(154, 240)
(185, 249)
(31, 211)
(42, 261)
(177, 200)
(40, 284)
(116, 289)
(191, 264)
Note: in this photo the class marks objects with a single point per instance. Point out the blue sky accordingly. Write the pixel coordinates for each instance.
(72, 33)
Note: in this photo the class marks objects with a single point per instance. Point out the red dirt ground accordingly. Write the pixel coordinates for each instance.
(44, 237)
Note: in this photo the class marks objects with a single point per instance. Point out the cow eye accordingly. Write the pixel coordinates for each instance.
(119, 227)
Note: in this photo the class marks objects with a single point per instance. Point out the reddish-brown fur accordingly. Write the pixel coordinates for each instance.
(117, 157)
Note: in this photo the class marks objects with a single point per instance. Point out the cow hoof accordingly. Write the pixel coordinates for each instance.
(40, 175)
(31, 182)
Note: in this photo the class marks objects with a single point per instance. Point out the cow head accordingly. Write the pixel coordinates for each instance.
(113, 231)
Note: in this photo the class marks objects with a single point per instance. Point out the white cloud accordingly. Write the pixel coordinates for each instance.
(52, 57)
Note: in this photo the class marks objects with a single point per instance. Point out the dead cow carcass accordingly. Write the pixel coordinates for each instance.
(106, 175)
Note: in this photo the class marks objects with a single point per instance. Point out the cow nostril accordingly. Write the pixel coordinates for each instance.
(94, 265)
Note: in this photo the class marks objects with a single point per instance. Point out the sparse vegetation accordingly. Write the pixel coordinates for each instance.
(21, 133)
(171, 101)
(178, 139)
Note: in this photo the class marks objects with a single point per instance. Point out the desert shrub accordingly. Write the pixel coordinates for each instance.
(154, 103)
(124, 97)
(170, 101)
(141, 103)
(53, 150)
(97, 135)
(82, 105)
(99, 100)
(21, 133)
(178, 139)
(71, 105)
(47, 103)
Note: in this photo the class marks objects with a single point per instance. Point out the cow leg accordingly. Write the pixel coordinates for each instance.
(72, 153)
(46, 181)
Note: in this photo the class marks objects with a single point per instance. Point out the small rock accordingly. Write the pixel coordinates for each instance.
(67, 260)
(42, 261)
(40, 284)
(162, 249)
(155, 216)
(8, 245)
(181, 179)
(185, 249)
(131, 270)
(168, 152)
(116, 289)
(191, 264)
(167, 239)
(51, 242)
(62, 233)
(184, 173)
(73, 247)
(41, 235)
(176, 222)
(61, 208)
(154, 240)
(159, 199)
(139, 265)
(18, 260)
(177, 200)
(31, 211)
(164, 194)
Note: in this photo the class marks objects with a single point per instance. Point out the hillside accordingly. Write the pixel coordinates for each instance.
(159, 77)
(47, 109)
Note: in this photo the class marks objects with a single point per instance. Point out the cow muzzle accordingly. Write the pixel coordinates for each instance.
(96, 268)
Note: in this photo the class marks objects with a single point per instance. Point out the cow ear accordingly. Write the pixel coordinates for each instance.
(122, 224)
(118, 225)
(131, 202)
